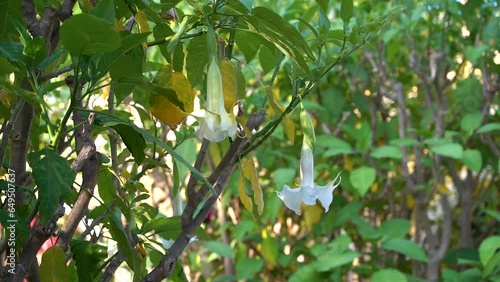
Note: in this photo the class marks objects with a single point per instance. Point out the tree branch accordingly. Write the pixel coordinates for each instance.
(190, 222)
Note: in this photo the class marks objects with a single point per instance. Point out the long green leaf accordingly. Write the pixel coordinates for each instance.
(54, 178)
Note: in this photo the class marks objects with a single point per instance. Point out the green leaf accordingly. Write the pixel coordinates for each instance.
(222, 249)
(307, 272)
(133, 140)
(88, 258)
(488, 248)
(403, 142)
(391, 152)
(407, 248)
(492, 267)
(160, 32)
(53, 267)
(105, 185)
(57, 55)
(283, 175)
(86, 34)
(346, 213)
(197, 58)
(270, 250)
(473, 160)
(346, 10)
(331, 261)
(35, 51)
(267, 59)
(11, 9)
(365, 229)
(394, 228)
(105, 10)
(334, 146)
(489, 127)
(249, 43)
(362, 178)
(392, 275)
(128, 42)
(248, 267)
(448, 149)
(470, 275)
(471, 121)
(284, 36)
(124, 245)
(12, 51)
(128, 65)
(54, 178)
(167, 228)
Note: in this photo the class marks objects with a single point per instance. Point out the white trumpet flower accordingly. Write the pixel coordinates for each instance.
(307, 192)
(215, 123)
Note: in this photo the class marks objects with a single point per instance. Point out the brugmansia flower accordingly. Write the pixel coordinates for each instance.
(307, 192)
(215, 123)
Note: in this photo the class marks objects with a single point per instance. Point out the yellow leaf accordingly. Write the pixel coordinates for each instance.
(410, 202)
(347, 163)
(142, 20)
(250, 187)
(443, 189)
(5, 97)
(118, 25)
(289, 128)
(161, 107)
(286, 122)
(312, 214)
(229, 84)
(245, 199)
(374, 187)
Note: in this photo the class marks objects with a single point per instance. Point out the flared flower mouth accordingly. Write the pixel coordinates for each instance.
(215, 127)
(307, 192)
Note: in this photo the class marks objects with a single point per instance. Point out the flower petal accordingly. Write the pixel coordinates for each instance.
(325, 193)
(306, 166)
(292, 198)
(310, 195)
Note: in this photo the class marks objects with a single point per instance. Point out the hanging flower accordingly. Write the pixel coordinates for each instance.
(307, 192)
(215, 123)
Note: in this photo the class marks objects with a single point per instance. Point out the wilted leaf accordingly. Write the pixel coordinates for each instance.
(286, 122)
(229, 84)
(162, 107)
(249, 185)
(142, 20)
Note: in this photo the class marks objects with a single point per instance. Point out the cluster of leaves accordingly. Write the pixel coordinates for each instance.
(406, 135)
